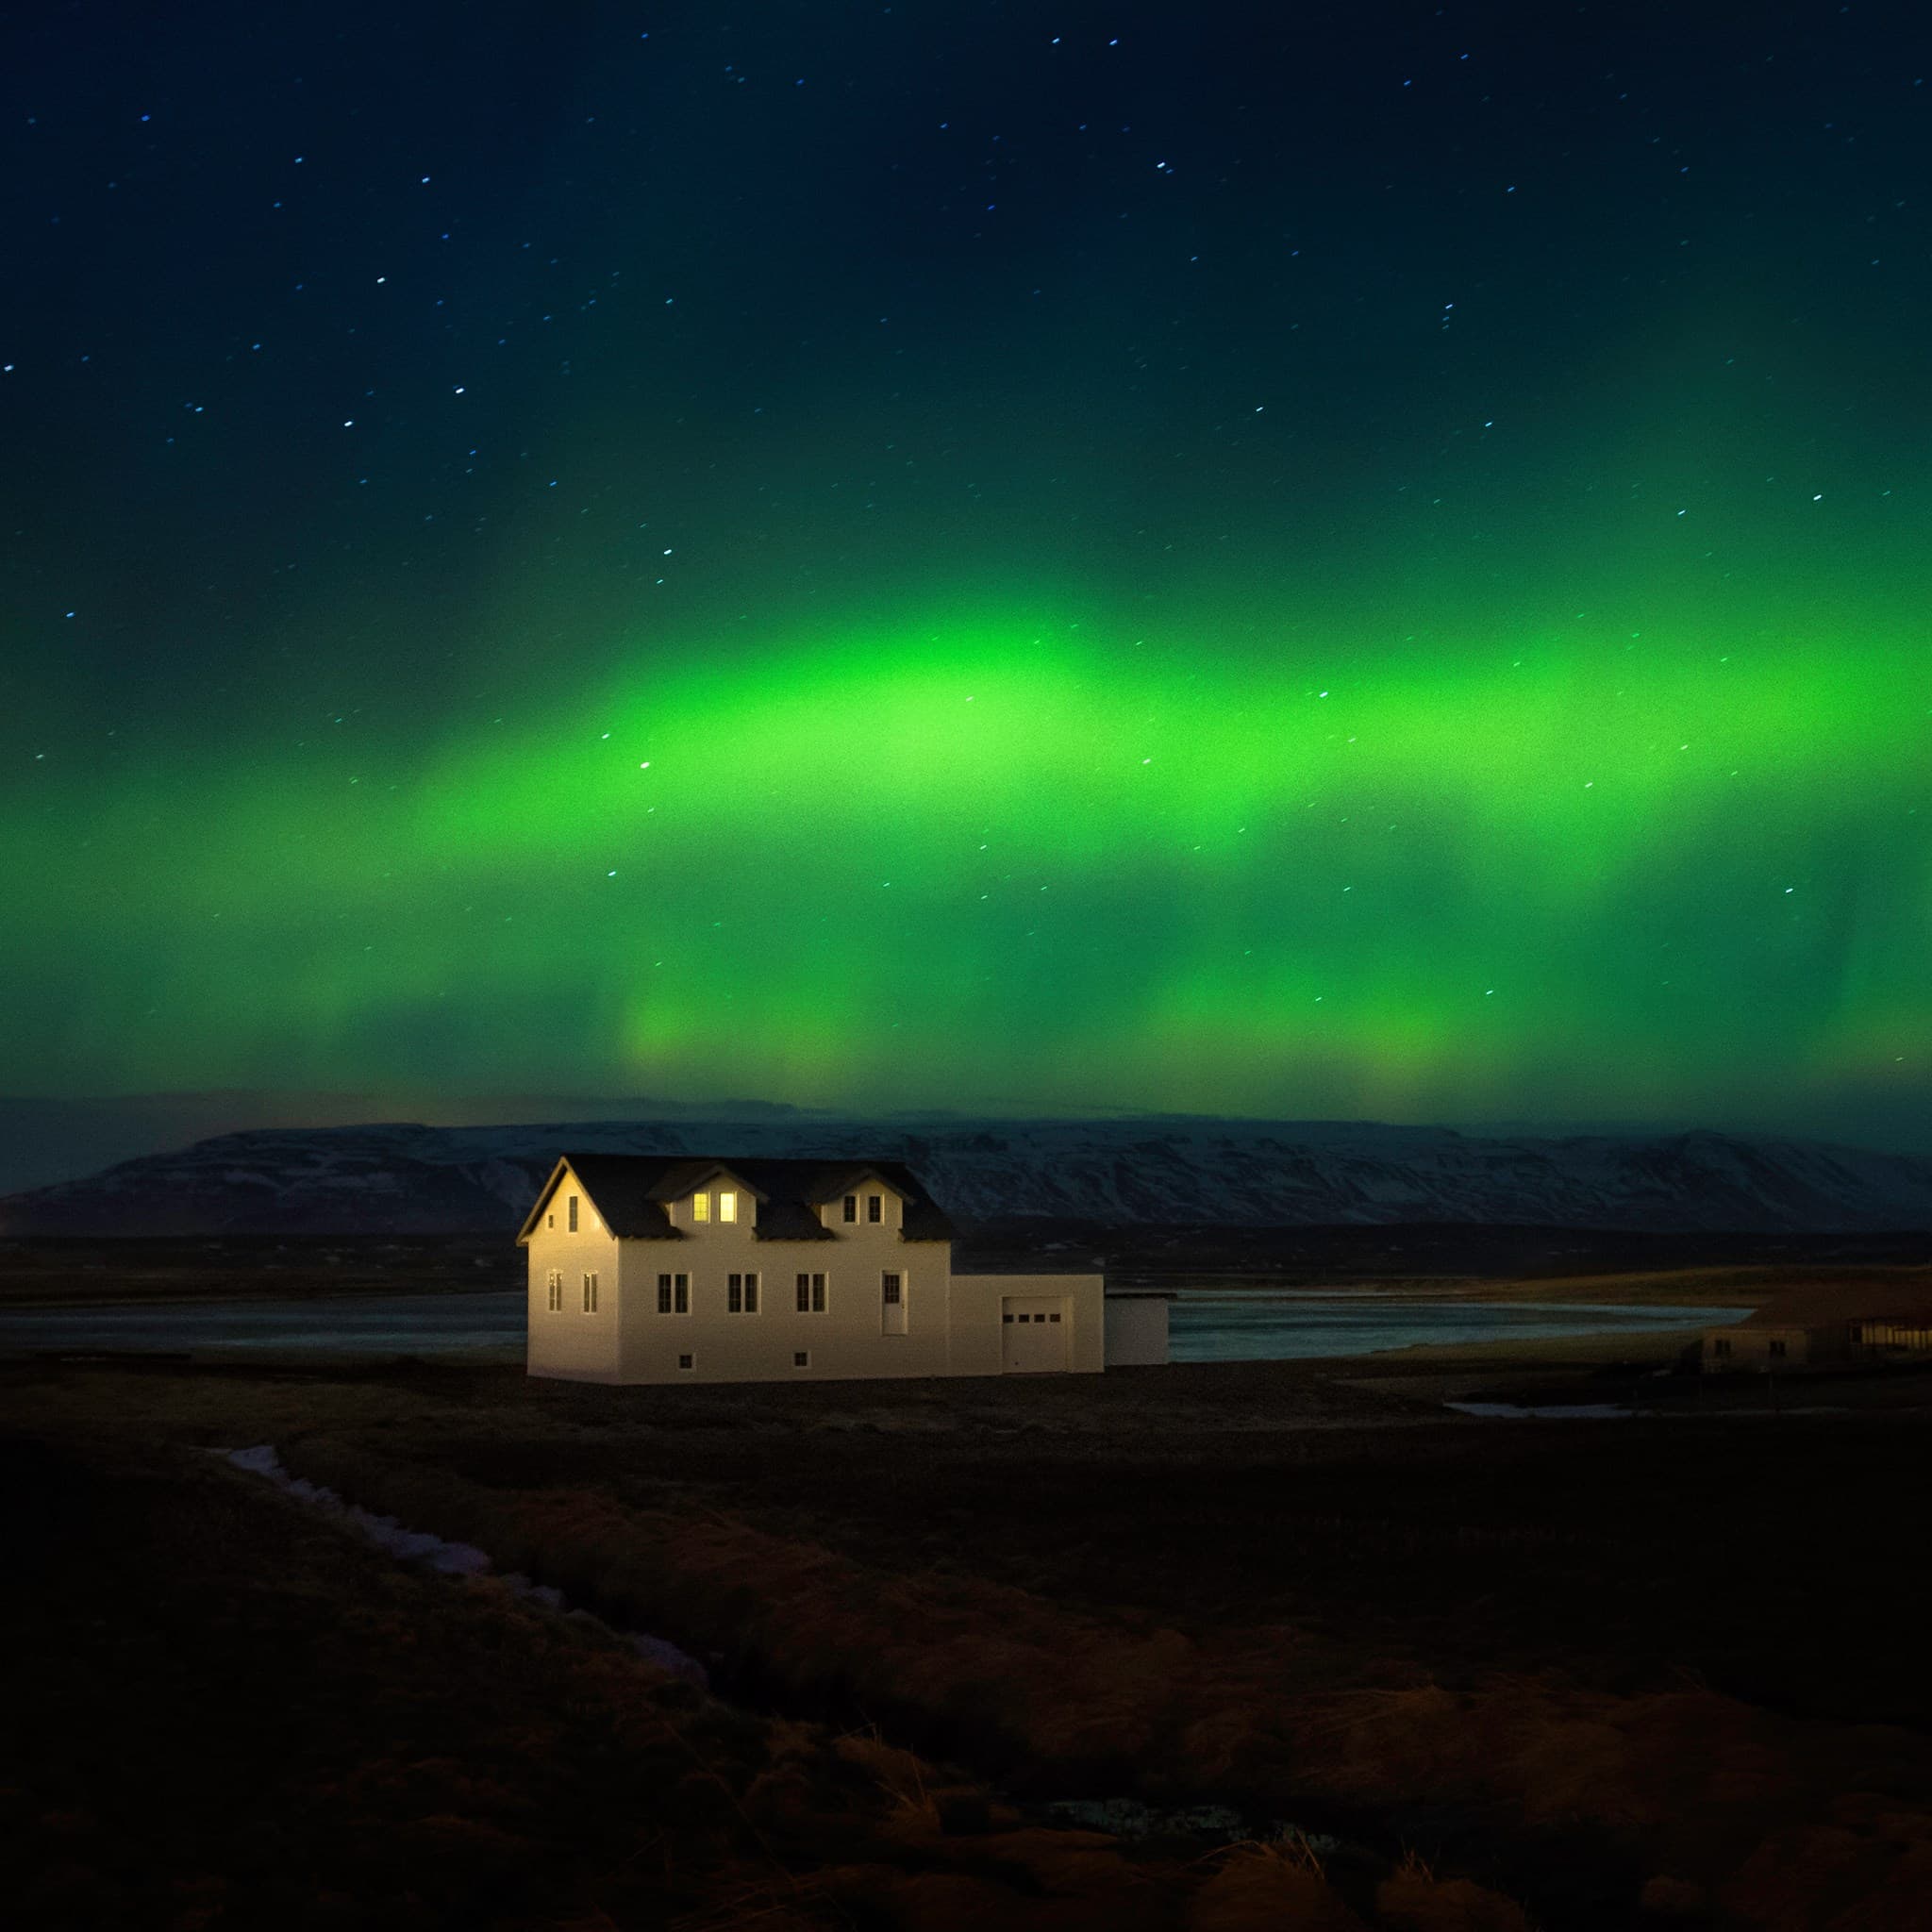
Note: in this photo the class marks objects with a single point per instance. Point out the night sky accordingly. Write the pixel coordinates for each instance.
(1335, 562)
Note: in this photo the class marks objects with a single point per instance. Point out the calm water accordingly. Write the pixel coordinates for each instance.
(360, 1325)
(1206, 1325)
(1214, 1325)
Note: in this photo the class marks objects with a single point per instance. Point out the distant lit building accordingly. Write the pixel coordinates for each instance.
(1749, 1349)
(1883, 1337)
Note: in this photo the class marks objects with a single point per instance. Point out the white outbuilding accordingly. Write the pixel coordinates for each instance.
(667, 1269)
(1137, 1326)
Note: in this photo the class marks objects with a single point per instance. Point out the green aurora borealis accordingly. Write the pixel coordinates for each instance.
(1435, 686)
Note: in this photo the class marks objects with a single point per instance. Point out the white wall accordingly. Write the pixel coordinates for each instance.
(847, 1339)
(976, 1329)
(1136, 1330)
(892, 1209)
(567, 1341)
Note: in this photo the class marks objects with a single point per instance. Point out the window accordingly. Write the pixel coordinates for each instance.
(1005, 1318)
(890, 1291)
(741, 1295)
(1778, 1348)
(554, 1284)
(590, 1295)
(674, 1294)
(851, 1207)
(701, 1206)
(811, 1294)
(875, 1209)
(801, 1357)
(572, 1214)
(550, 1220)
(1720, 1348)
(727, 1207)
(687, 1361)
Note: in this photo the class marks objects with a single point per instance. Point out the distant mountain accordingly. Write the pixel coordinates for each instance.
(45, 1138)
(395, 1179)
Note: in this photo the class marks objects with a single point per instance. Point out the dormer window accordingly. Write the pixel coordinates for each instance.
(875, 1209)
(727, 1207)
(701, 1206)
(851, 1207)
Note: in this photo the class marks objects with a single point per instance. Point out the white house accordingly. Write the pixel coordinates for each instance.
(659, 1269)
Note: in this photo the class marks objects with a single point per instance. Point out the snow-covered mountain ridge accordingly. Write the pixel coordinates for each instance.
(405, 1179)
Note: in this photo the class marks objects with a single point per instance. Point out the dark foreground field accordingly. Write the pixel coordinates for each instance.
(1642, 1672)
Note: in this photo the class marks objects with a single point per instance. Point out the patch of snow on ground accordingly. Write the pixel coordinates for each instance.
(449, 1559)
(1130, 1817)
(1592, 1412)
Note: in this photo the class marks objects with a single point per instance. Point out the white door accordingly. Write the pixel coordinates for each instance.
(1033, 1334)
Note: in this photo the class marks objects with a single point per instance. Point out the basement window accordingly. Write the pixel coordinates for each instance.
(687, 1361)
(801, 1358)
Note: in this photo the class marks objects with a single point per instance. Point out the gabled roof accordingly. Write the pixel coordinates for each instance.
(839, 1181)
(619, 1191)
(632, 1192)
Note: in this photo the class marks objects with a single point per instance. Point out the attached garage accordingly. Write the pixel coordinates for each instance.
(1027, 1325)
(1034, 1331)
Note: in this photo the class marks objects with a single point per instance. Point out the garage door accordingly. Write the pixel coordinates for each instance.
(1033, 1334)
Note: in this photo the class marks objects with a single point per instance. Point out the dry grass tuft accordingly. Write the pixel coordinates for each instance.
(1413, 1899)
(1270, 1885)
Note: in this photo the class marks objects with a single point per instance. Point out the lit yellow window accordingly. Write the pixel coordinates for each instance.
(727, 1207)
(701, 1206)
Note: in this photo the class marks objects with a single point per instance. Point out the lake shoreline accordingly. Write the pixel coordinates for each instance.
(1207, 1327)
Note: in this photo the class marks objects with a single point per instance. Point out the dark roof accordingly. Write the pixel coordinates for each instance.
(631, 1192)
(620, 1186)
